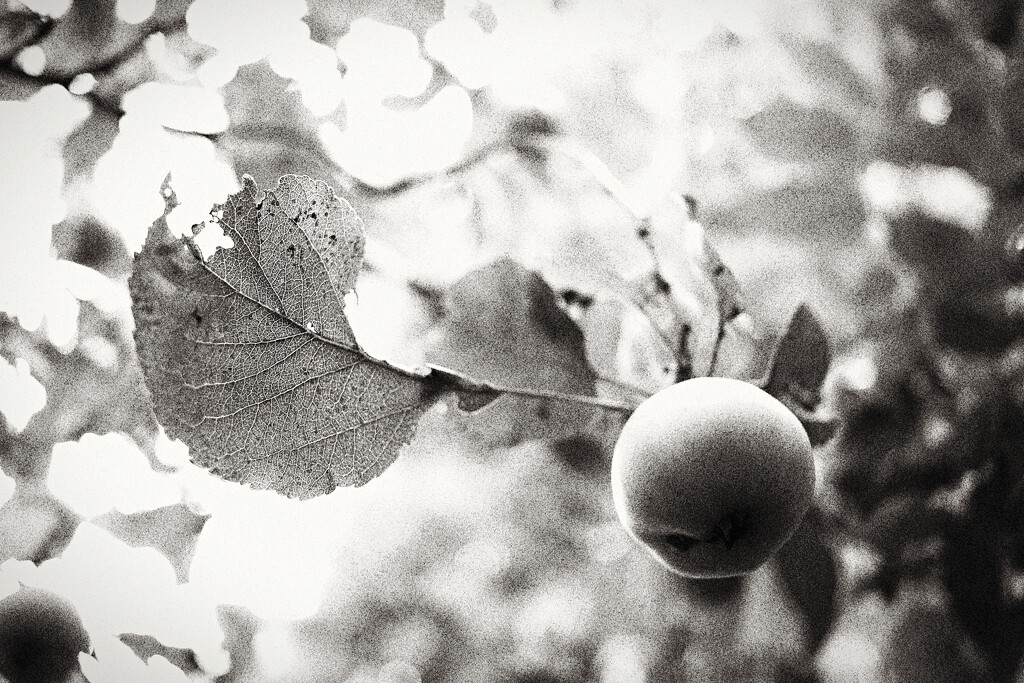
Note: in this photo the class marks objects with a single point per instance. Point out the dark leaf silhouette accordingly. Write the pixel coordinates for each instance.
(81, 394)
(810, 573)
(950, 261)
(927, 645)
(901, 521)
(146, 646)
(502, 324)
(801, 361)
(173, 530)
(249, 356)
(977, 596)
(795, 133)
(17, 30)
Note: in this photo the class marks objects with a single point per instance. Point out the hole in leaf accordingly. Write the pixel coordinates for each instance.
(210, 237)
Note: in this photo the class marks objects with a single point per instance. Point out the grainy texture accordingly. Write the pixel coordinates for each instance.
(802, 359)
(248, 354)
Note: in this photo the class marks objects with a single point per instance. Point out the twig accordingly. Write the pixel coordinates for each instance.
(684, 369)
(625, 386)
(445, 380)
(473, 159)
(595, 401)
(718, 345)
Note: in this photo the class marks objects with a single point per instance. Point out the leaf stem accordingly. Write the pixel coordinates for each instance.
(713, 365)
(450, 380)
(624, 386)
(603, 175)
(595, 401)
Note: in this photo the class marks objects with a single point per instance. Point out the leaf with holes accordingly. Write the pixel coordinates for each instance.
(248, 354)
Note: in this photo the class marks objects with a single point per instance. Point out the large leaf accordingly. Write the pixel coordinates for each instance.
(248, 354)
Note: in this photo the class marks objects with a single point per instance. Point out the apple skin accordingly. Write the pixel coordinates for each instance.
(41, 635)
(712, 475)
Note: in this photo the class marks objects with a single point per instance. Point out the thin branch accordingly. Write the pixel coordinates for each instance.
(718, 345)
(473, 159)
(684, 369)
(624, 386)
(444, 380)
(579, 399)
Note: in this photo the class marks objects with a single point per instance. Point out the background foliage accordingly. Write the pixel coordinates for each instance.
(864, 158)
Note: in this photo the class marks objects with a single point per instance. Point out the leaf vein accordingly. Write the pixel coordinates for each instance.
(235, 380)
(404, 410)
(258, 342)
(278, 395)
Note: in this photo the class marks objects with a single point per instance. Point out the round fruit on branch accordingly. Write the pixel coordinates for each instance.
(712, 475)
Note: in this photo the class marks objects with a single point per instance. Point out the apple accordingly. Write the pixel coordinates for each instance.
(41, 635)
(712, 476)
